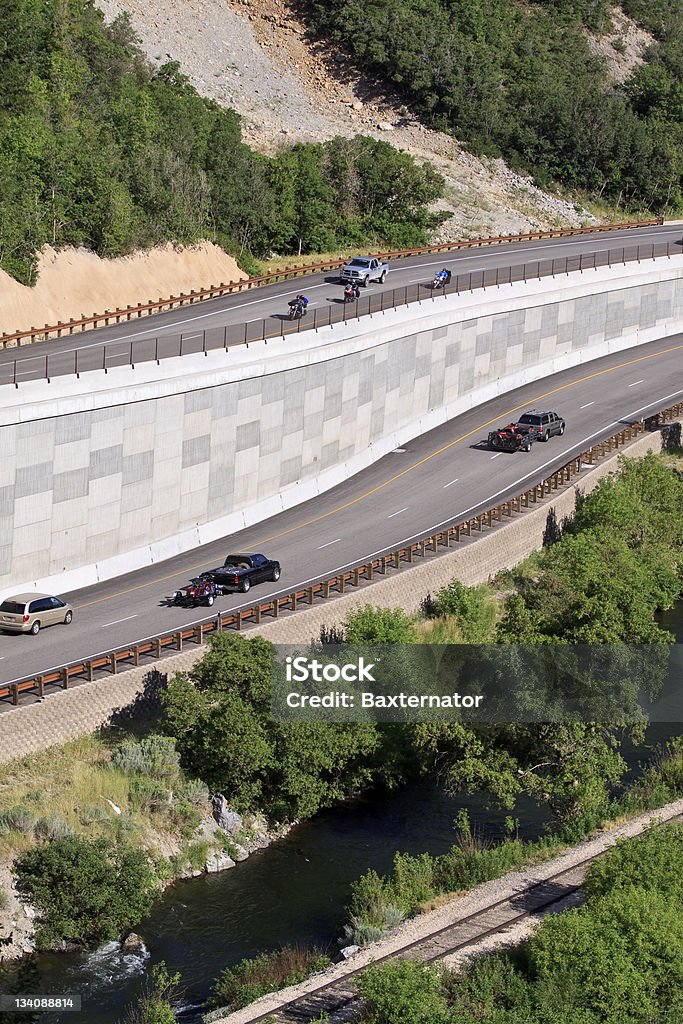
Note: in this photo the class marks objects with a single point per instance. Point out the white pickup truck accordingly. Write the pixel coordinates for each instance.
(362, 270)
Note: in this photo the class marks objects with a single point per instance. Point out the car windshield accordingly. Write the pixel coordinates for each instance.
(236, 559)
(13, 607)
(534, 421)
(359, 263)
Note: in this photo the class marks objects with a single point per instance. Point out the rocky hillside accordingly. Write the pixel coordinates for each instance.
(253, 55)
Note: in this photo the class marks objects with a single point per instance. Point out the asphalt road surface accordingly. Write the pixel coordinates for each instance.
(251, 314)
(445, 475)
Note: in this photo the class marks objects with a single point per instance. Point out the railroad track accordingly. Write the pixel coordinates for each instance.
(340, 999)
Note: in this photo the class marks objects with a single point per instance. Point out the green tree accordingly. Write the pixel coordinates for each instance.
(86, 890)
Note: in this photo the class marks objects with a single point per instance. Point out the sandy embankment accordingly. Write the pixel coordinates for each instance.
(73, 283)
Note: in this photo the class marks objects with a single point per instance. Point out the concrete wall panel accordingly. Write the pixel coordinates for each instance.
(193, 452)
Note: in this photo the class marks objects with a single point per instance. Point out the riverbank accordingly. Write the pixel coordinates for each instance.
(124, 791)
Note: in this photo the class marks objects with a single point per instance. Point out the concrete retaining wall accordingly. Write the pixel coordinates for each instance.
(65, 715)
(104, 474)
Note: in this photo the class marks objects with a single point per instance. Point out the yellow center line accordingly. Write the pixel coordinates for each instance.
(397, 476)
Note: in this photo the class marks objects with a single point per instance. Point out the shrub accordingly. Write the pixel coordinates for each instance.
(240, 985)
(403, 993)
(86, 890)
(473, 608)
(156, 1003)
(193, 792)
(154, 756)
(361, 932)
(52, 827)
(412, 882)
(651, 861)
(148, 794)
(17, 819)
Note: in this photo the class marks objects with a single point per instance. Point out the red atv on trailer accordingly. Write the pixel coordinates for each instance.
(198, 591)
(511, 439)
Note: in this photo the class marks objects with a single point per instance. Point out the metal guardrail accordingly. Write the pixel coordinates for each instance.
(290, 601)
(129, 353)
(215, 291)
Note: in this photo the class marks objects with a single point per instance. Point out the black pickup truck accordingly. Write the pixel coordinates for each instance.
(531, 426)
(240, 572)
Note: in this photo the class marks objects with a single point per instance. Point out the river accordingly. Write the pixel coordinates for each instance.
(293, 892)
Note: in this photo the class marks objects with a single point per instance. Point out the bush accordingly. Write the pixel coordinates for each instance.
(193, 792)
(154, 757)
(17, 819)
(402, 993)
(240, 985)
(473, 608)
(156, 1004)
(360, 932)
(52, 827)
(412, 882)
(651, 861)
(86, 890)
(370, 625)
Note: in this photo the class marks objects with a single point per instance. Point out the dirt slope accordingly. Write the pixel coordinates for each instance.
(75, 282)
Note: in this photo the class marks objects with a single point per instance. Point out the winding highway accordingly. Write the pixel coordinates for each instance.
(444, 475)
(250, 314)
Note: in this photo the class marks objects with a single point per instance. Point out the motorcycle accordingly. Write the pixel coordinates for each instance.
(350, 295)
(296, 310)
(198, 591)
(441, 279)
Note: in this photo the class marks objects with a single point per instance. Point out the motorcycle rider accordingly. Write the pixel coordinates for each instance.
(298, 304)
(349, 293)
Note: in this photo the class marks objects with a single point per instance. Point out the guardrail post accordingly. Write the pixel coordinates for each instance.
(179, 641)
(112, 663)
(15, 694)
(64, 680)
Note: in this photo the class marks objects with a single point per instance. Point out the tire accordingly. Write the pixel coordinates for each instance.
(35, 628)
(244, 586)
(366, 282)
(562, 430)
(276, 575)
(546, 436)
(67, 618)
(383, 277)
(210, 600)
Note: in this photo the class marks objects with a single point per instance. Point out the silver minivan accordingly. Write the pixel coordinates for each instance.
(28, 613)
